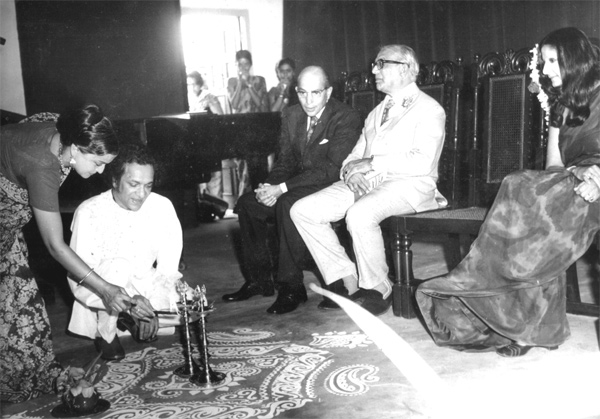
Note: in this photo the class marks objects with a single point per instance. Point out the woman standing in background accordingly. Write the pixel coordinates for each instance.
(247, 94)
(284, 94)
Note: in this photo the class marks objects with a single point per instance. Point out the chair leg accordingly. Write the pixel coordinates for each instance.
(452, 250)
(403, 291)
(573, 294)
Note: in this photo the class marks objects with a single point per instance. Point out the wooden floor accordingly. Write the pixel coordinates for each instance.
(543, 384)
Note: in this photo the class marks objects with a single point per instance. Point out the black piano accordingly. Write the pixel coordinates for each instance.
(193, 145)
(188, 147)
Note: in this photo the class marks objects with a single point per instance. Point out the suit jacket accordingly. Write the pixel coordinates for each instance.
(317, 161)
(407, 147)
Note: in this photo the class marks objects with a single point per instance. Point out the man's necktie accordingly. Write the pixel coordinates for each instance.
(311, 128)
(386, 111)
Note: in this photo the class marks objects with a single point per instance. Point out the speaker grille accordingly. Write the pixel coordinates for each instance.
(506, 125)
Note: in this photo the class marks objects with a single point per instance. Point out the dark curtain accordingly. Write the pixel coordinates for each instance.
(125, 56)
(344, 36)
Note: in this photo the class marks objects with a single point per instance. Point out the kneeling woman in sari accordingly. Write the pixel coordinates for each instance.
(508, 294)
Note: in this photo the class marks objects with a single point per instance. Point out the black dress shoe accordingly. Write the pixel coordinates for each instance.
(112, 351)
(338, 288)
(288, 299)
(374, 302)
(250, 290)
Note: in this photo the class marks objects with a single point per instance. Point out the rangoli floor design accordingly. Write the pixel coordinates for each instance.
(265, 376)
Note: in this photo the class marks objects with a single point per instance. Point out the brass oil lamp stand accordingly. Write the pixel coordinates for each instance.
(199, 374)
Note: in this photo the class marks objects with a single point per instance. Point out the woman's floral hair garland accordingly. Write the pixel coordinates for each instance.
(535, 85)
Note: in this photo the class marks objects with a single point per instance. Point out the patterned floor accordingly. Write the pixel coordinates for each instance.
(265, 375)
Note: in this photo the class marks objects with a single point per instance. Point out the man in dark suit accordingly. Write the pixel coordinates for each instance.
(316, 136)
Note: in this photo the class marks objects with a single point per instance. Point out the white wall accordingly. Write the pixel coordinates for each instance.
(12, 95)
(265, 28)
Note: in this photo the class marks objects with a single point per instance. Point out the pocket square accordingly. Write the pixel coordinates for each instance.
(325, 141)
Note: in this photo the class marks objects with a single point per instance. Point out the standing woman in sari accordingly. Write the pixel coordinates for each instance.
(35, 158)
(247, 94)
(508, 294)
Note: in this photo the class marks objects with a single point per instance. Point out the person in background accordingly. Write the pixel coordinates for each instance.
(199, 98)
(508, 294)
(247, 94)
(392, 170)
(316, 136)
(131, 237)
(284, 94)
(35, 158)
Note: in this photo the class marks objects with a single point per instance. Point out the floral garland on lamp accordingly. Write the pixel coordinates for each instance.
(535, 86)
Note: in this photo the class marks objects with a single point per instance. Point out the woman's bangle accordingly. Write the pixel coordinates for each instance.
(84, 278)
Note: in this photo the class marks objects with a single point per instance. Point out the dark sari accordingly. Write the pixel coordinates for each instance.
(511, 285)
(27, 363)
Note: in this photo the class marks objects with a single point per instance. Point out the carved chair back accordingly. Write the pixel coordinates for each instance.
(508, 128)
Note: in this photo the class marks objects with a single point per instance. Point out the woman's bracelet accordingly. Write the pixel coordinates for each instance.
(84, 278)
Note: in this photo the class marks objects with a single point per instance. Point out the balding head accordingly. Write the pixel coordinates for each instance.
(317, 72)
(313, 89)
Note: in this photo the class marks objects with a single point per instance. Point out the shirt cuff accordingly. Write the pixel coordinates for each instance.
(283, 187)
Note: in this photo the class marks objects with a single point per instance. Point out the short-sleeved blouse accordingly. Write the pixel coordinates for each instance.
(26, 160)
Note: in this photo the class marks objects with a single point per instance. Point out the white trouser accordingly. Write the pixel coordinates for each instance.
(312, 216)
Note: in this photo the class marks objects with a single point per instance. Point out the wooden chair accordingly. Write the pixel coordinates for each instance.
(360, 92)
(505, 138)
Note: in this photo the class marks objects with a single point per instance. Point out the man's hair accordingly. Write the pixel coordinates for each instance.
(197, 78)
(405, 54)
(130, 153)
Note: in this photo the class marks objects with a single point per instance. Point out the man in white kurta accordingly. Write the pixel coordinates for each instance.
(392, 170)
(122, 233)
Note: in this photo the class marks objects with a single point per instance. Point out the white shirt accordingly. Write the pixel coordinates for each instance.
(122, 246)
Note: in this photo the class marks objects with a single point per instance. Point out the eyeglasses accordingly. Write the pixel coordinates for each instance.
(315, 93)
(380, 63)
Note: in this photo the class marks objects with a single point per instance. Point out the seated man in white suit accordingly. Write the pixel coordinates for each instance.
(132, 238)
(391, 170)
